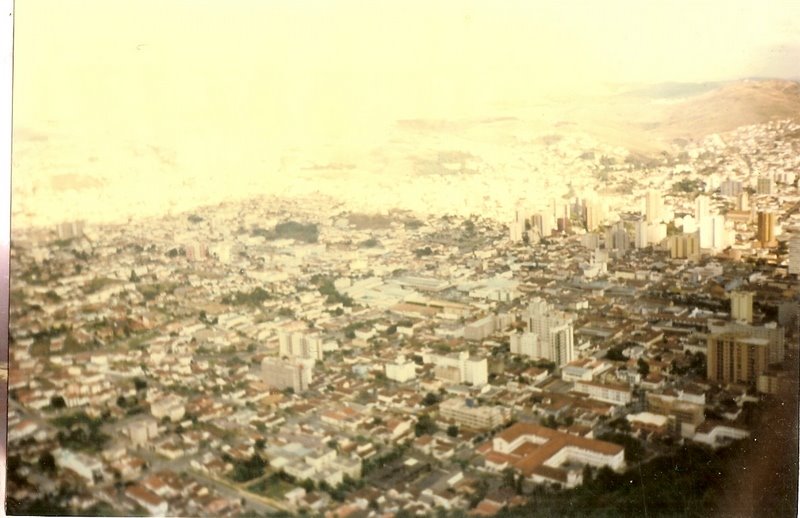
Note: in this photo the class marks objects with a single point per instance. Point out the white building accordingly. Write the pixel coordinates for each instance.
(459, 368)
(526, 344)
(401, 370)
(552, 456)
(554, 330)
(300, 343)
(171, 407)
(480, 329)
(742, 306)
(794, 254)
(282, 374)
(654, 207)
(470, 415)
(613, 393)
(88, 468)
(142, 431)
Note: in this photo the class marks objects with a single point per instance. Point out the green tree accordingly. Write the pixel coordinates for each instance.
(47, 462)
(139, 384)
(644, 367)
(452, 430)
(425, 425)
(430, 399)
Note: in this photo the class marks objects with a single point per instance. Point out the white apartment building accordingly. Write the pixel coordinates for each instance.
(554, 330)
(401, 370)
(300, 343)
(607, 392)
(470, 415)
(460, 368)
(282, 374)
(526, 344)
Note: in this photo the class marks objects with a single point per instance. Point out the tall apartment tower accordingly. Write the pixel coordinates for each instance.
(684, 246)
(742, 306)
(794, 254)
(640, 234)
(617, 238)
(766, 228)
(283, 374)
(733, 358)
(743, 201)
(554, 330)
(654, 207)
(702, 216)
(296, 343)
(517, 227)
(764, 185)
(701, 207)
(594, 214)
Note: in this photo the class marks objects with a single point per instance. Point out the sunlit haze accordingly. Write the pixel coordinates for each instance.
(152, 100)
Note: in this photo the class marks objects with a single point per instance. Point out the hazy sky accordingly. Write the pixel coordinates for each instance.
(195, 78)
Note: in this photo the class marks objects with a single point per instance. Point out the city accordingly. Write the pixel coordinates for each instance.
(291, 355)
(351, 259)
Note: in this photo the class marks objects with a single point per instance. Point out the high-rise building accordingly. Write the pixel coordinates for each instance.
(70, 229)
(656, 233)
(401, 370)
(525, 344)
(595, 213)
(654, 207)
(640, 234)
(794, 254)
(282, 374)
(719, 234)
(471, 415)
(764, 185)
(743, 201)
(300, 343)
(617, 238)
(518, 227)
(773, 333)
(684, 246)
(554, 330)
(544, 223)
(734, 358)
(766, 228)
(702, 216)
(460, 368)
(742, 306)
(730, 188)
(590, 240)
(701, 207)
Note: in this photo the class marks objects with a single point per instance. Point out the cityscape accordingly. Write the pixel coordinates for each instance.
(488, 316)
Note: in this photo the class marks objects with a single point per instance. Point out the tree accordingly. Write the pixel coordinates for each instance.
(508, 477)
(260, 444)
(550, 422)
(644, 367)
(452, 430)
(58, 402)
(615, 354)
(47, 462)
(430, 399)
(139, 383)
(134, 277)
(425, 425)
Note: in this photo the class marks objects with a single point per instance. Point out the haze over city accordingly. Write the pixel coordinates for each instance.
(212, 102)
(358, 259)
